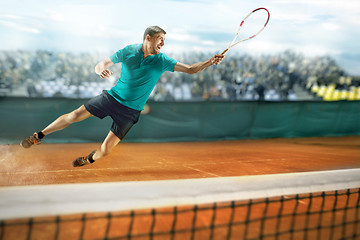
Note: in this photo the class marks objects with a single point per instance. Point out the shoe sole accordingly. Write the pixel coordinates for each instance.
(25, 144)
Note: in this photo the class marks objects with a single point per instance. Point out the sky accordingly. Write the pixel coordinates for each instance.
(310, 27)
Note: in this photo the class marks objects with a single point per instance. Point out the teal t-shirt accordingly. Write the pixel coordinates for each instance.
(138, 75)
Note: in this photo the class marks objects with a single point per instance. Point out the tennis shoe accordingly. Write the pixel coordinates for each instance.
(82, 161)
(32, 140)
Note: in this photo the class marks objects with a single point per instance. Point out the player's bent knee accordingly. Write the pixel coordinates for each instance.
(71, 117)
(78, 115)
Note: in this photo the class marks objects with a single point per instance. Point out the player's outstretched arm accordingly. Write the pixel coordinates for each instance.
(198, 67)
(101, 68)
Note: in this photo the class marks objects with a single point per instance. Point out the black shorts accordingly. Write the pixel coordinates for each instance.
(106, 105)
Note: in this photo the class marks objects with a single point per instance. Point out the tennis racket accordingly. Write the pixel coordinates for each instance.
(254, 21)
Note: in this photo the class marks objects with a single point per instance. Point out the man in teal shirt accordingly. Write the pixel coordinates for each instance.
(142, 66)
(138, 75)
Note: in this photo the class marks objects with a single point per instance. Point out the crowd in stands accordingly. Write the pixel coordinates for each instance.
(239, 77)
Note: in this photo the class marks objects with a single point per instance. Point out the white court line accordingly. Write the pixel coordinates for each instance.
(201, 171)
(48, 200)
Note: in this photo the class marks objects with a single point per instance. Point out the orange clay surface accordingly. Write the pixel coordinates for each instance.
(52, 163)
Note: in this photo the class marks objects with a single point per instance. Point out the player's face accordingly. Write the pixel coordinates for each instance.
(156, 43)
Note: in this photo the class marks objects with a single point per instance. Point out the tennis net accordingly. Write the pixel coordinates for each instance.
(312, 205)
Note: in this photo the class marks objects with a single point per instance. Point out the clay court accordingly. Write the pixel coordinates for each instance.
(50, 165)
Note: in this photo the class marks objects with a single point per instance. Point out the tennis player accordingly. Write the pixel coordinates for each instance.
(142, 66)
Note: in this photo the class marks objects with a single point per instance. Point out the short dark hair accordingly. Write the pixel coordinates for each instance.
(152, 30)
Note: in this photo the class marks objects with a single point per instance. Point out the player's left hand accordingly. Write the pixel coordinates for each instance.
(105, 74)
(217, 59)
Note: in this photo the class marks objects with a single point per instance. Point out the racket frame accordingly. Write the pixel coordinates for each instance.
(233, 43)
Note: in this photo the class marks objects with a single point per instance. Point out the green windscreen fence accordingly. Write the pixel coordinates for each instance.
(187, 121)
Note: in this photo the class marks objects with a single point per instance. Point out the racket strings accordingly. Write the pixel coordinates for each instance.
(250, 26)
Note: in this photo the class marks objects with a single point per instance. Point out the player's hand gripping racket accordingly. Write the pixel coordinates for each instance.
(250, 27)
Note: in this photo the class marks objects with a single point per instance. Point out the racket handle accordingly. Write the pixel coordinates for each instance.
(224, 52)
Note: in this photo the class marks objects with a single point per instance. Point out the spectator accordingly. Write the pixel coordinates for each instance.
(239, 77)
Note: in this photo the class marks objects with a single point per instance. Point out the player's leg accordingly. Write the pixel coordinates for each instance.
(65, 120)
(106, 147)
(124, 118)
(60, 123)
